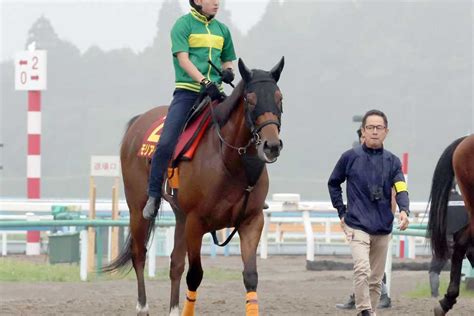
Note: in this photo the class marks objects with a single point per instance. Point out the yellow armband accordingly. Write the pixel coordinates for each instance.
(400, 186)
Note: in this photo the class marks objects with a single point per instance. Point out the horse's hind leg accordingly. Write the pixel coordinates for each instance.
(177, 261)
(194, 232)
(139, 232)
(455, 278)
(249, 233)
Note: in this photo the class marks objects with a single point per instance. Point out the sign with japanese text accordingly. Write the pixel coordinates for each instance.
(105, 166)
(30, 70)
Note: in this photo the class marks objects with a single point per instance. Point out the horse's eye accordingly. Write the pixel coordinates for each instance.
(251, 107)
(251, 101)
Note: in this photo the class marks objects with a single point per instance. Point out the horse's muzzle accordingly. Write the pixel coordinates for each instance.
(270, 151)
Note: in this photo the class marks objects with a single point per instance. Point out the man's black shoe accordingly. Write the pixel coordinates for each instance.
(350, 304)
(151, 208)
(365, 313)
(385, 301)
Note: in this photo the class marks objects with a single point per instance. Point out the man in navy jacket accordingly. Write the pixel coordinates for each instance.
(370, 172)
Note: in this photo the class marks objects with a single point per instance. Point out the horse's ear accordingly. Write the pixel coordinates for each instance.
(276, 71)
(244, 71)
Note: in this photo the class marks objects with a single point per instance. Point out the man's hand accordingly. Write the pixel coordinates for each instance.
(403, 220)
(342, 223)
(345, 230)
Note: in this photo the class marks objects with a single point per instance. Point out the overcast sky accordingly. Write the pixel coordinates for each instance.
(86, 23)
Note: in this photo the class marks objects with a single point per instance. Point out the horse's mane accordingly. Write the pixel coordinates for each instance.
(225, 109)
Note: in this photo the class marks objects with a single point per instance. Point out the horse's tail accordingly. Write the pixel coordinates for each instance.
(441, 186)
(123, 261)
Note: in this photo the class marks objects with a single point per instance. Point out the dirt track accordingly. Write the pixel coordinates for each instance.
(285, 288)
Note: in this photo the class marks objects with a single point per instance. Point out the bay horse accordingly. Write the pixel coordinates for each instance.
(224, 185)
(457, 161)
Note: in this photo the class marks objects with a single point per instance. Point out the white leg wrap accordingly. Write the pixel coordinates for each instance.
(174, 311)
(142, 310)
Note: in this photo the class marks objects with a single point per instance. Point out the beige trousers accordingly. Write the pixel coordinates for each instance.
(369, 253)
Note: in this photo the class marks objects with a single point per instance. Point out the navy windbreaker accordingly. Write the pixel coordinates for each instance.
(365, 169)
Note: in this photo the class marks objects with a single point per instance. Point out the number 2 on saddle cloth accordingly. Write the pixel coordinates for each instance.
(187, 142)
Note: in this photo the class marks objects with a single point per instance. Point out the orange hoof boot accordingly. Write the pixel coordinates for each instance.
(251, 304)
(188, 309)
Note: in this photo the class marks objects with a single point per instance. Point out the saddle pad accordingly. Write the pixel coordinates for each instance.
(151, 138)
(187, 142)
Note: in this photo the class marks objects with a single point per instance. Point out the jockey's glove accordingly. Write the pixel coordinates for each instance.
(227, 75)
(211, 89)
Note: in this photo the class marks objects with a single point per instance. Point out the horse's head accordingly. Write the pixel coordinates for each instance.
(263, 108)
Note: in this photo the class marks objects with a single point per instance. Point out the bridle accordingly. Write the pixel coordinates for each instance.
(254, 130)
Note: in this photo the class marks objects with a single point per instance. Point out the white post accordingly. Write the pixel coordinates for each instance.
(152, 257)
(388, 267)
(169, 241)
(309, 236)
(4, 243)
(84, 241)
(278, 234)
(411, 247)
(328, 230)
(264, 238)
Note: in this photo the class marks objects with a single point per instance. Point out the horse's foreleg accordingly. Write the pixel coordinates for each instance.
(194, 233)
(177, 264)
(249, 233)
(455, 279)
(139, 235)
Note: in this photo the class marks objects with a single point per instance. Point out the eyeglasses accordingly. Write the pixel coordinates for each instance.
(376, 127)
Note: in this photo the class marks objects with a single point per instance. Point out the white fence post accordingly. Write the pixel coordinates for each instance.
(169, 243)
(328, 230)
(4, 243)
(411, 247)
(83, 264)
(309, 236)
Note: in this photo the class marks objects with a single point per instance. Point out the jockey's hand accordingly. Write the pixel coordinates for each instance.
(227, 75)
(211, 89)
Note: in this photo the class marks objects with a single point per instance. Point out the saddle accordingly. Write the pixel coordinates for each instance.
(195, 128)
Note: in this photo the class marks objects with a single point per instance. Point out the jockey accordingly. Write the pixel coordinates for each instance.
(196, 38)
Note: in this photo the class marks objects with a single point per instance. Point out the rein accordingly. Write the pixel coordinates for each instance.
(253, 169)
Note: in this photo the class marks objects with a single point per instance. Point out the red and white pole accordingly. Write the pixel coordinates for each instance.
(403, 239)
(34, 145)
(33, 166)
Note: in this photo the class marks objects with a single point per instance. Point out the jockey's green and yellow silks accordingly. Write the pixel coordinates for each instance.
(203, 40)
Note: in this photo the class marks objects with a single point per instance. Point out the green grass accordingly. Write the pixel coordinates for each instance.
(423, 290)
(15, 270)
